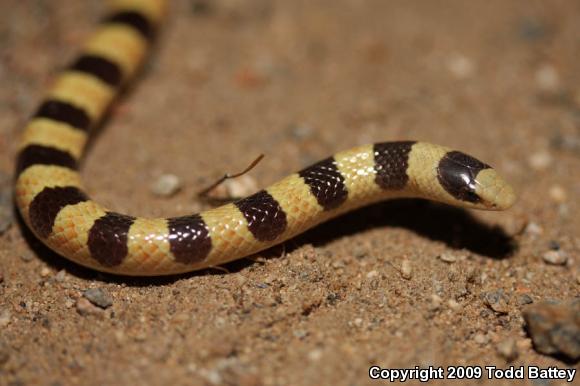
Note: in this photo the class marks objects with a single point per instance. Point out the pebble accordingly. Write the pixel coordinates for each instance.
(566, 142)
(98, 297)
(461, 66)
(532, 30)
(5, 318)
(508, 349)
(533, 229)
(373, 273)
(301, 131)
(241, 186)
(555, 257)
(406, 269)
(540, 160)
(454, 305)
(300, 334)
(435, 302)
(554, 245)
(27, 256)
(525, 299)
(558, 194)
(480, 338)
(315, 355)
(547, 78)
(85, 307)
(497, 300)
(44, 272)
(60, 276)
(6, 212)
(563, 210)
(166, 185)
(555, 327)
(448, 257)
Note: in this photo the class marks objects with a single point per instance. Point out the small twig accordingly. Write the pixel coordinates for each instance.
(203, 194)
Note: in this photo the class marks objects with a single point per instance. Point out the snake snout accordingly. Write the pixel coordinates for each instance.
(494, 191)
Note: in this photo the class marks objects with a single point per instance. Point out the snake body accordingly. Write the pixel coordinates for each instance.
(53, 204)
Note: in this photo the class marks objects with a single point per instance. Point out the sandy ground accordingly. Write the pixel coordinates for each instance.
(299, 80)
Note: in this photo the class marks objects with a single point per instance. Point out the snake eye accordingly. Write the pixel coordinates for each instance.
(456, 172)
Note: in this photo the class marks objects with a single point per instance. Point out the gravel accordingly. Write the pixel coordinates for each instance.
(98, 297)
(85, 307)
(555, 257)
(406, 269)
(555, 327)
(448, 257)
(508, 349)
(497, 300)
(166, 185)
(525, 299)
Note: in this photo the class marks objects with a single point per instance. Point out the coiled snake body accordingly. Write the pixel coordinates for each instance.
(53, 204)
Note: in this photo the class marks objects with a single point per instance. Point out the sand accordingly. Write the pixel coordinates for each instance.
(397, 285)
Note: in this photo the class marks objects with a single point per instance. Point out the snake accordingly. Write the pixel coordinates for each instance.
(54, 205)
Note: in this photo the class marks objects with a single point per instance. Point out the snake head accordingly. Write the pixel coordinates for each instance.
(474, 183)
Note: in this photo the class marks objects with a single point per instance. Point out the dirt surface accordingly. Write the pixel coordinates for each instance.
(400, 284)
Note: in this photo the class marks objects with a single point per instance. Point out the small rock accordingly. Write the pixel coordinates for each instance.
(461, 66)
(241, 186)
(540, 160)
(358, 322)
(166, 185)
(406, 269)
(480, 339)
(547, 78)
(60, 276)
(372, 274)
(524, 299)
(555, 257)
(27, 256)
(44, 272)
(435, 302)
(555, 327)
(558, 194)
(98, 297)
(554, 245)
(454, 305)
(448, 257)
(85, 307)
(497, 301)
(533, 229)
(508, 349)
(472, 275)
(315, 355)
(5, 318)
(360, 252)
(532, 30)
(563, 210)
(300, 334)
(566, 142)
(301, 131)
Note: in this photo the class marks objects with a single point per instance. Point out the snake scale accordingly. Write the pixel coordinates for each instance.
(53, 204)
